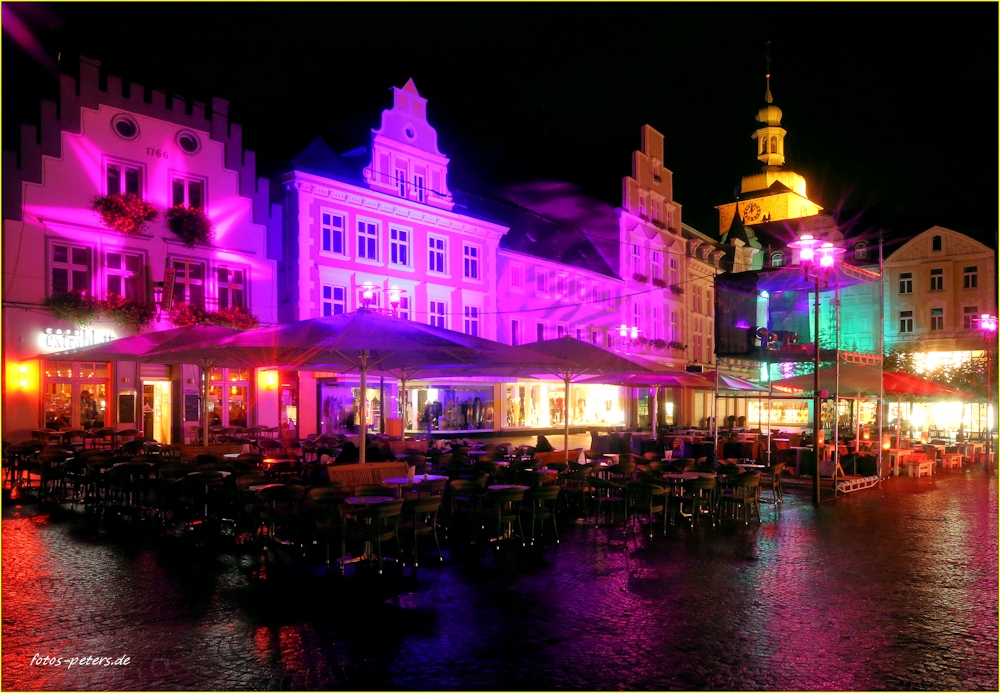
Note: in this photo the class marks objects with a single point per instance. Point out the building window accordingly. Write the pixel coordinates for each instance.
(906, 282)
(470, 256)
(777, 259)
(675, 272)
(581, 291)
(70, 269)
(418, 185)
(905, 321)
(232, 287)
(657, 323)
(401, 181)
(124, 178)
(367, 240)
(517, 277)
(697, 355)
(436, 254)
(125, 275)
(403, 309)
(937, 319)
(399, 247)
(654, 207)
(189, 283)
(637, 315)
(437, 312)
(560, 331)
(334, 300)
(187, 191)
(970, 278)
(636, 259)
(936, 243)
(642, 206)
(696, 304)
(332, 231)
(540, 281)
(970, 316)
(472, 320)
(675, 326)
(595, 295)
(594, 336)
(561, 285)
(515, 332)
(656, 265)
(540, 332)
(861, 251)
(373, 301)
(937, 280)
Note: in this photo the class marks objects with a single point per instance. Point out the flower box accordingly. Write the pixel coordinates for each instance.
(190, 224)
(658, 343)
(641, 278)
(678, 346)
(125, 212)
(677, 289)
(659, 282)
(185, 314)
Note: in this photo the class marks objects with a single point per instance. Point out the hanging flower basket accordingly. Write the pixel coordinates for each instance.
(76, 307)
(126, 313)
(125, 212)
(190, 224)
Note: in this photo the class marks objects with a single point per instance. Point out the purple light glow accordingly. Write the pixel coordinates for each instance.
(988, 322)
(743, 324)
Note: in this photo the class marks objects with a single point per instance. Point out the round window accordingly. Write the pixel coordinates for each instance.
(188, 142)
(125, 127)
(408, 131)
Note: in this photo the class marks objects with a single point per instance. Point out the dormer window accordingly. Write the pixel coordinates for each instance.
(861, 251)
(936, 244)
(777, 259)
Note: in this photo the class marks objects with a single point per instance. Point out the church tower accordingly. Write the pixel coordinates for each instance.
(774, 194)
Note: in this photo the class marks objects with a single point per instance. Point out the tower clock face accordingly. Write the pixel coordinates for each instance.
(751, 212)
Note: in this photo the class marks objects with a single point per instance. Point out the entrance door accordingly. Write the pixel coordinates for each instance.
(156, 410)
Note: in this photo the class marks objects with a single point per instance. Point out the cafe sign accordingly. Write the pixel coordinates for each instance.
(53, 339)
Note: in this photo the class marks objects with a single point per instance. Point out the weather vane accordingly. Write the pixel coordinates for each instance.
(767, 75)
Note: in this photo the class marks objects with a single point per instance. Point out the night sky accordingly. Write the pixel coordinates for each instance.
(888, 107)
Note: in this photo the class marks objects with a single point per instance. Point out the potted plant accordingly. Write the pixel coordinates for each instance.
(658, 343)
(659, 282)
(190, 224)
(75, 306)
(677, 289)
(642, 341)
(641, 278)
(126, 313)
(125, 212)
(678, 346)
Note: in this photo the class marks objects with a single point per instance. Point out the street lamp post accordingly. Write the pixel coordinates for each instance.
(818, 260)
(988, 323)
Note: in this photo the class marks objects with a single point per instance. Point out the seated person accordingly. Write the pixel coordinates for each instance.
(543, 445)
(348, 454)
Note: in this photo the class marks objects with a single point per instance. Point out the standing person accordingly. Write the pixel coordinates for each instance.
(88, 410)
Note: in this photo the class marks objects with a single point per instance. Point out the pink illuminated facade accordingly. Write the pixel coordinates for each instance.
(393, 226)
(125, 139)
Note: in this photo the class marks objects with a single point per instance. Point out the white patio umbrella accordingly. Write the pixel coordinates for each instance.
(584, 359)
(368, 342)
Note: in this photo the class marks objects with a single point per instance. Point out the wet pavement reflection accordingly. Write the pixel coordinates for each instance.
(891, 589)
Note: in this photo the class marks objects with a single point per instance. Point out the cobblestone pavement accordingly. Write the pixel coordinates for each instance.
(891, 589)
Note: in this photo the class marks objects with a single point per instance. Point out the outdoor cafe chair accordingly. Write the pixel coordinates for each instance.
(503, 506)
(774, 476)
(698, 495)
(539, 507)
(642, 498)
(576, 487)
(465, 499)
(419, 519)
(607, 493)
(743, 497)
(373, 526)
(323, 505)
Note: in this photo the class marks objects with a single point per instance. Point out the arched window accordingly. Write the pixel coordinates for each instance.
(774, 145)
(777, 259)
(763, 145)
(861, 251)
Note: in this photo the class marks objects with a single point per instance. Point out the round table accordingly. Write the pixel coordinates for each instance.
(500, 487)
(367, 500)
(400, 481)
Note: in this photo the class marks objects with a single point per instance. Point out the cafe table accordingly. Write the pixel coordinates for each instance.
(400, 482)
(896, 458)
(746, 465)
(364, 502)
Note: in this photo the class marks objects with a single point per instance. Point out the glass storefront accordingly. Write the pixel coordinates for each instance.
(450, 407)
(783, 413)
(541, 404)
(228, 396)
(75, 395)
(340, 402)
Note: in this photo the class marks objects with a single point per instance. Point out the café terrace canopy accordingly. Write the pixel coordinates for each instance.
(765, 314)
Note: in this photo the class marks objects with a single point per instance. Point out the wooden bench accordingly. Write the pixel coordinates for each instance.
(189, 450)
(919, 467)
(353, 475)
